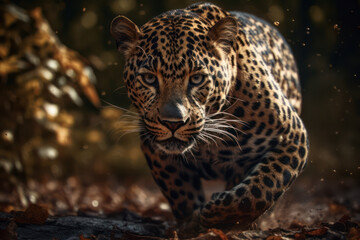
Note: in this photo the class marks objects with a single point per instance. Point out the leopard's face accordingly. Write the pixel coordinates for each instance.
(171, 103)
(177, 73)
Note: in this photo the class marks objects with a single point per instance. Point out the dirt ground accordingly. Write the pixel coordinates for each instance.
(311, 209)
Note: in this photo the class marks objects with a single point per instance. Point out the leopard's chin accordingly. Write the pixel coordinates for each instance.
(174, 146)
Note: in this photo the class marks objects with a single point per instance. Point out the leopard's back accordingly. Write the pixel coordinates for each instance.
(265, 39)
(276, 53)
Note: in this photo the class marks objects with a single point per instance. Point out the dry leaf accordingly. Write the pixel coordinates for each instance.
(317, 232)
(300, 236)
(219, 233)
(34, 214)
(83, 238)
(9, 233)
(175, 236)
(345, 218)
(354, 234)
(274, 238)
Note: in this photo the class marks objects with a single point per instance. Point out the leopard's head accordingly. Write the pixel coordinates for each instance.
(178, 71)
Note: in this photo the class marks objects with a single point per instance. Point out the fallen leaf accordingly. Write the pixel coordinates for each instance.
(317, 232)
(274, 238)
(219, 233)
(296, 225)
(345, 218)
(83, 238)
(354, 234)
(9, 233)
(34, 214)
(300, 236)
(337, 208)
(175, 236)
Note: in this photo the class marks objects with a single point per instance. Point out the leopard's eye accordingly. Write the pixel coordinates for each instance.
(197, 79)
(149, 78)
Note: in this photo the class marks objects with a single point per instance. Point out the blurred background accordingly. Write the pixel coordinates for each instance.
(324, 36)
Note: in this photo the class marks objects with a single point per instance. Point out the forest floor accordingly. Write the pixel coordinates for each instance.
(311, 209)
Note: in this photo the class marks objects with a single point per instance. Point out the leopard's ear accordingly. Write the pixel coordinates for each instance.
(223, 33)
(125, 33)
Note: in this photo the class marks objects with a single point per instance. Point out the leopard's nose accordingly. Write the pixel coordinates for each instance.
(173, 126)
(173, 115)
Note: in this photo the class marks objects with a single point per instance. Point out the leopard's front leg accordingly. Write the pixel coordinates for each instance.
(179, 183)
(264, 184)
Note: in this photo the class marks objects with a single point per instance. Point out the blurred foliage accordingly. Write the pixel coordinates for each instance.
(51, 124)
(325, 38)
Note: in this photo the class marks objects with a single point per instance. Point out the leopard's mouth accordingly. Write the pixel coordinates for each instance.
(175, 146)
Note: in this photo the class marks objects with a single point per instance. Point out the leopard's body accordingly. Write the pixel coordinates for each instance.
(219, 98)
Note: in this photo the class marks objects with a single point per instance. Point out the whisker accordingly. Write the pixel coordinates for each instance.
(217, 130)
(117, 89)
(128, 132)
(212, 136)
(225, 133)
(123, 109)
(237, 99)
(193, 156)
(210, 116)
(223, 126)
(204, 136)
(203, 139)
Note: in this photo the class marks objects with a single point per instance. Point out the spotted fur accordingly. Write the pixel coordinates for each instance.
(219, 98)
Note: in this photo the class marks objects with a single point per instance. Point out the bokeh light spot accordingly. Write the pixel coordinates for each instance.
(123, 6)
(316, 14)
(89, 19)
(276, 13)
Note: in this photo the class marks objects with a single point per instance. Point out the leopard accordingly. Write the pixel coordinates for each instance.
(218, 97)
